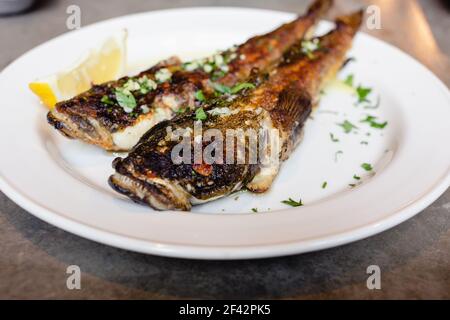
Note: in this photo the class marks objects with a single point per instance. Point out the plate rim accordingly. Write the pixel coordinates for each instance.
(226, 252)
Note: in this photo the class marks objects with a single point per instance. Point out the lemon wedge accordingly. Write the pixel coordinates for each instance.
(106, 63)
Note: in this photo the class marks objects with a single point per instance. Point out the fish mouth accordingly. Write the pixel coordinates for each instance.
(83, 128)
(159, 195)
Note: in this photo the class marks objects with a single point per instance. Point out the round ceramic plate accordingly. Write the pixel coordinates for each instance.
(64, 182)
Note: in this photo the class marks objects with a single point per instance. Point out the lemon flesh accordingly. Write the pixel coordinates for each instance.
(106, 63)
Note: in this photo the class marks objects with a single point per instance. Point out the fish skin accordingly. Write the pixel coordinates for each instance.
(283, 101)
(86, 118)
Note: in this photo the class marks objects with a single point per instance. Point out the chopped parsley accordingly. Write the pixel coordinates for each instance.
(363, 93)
(349, 80)
(309, 47)
(221, 88)
(324, 185)
(293, 203)
(352, 185)
(163, 75)
(347, 126)
(367, 166)
(200, 96)
(333, 138)
(356, 177)
(107, 100)
(242, 86)
(126, 100)
(200, 114)
(255, 210)
(181, 110)
(364, 143)
(371, 121)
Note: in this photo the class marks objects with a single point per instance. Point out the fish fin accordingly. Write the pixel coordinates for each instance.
(320, 7)
(292, 109)
(352, 22)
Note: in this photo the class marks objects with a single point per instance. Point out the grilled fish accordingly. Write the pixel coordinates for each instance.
(116, 114)
(153, 174)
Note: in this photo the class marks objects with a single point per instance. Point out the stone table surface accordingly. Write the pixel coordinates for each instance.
(414, 257)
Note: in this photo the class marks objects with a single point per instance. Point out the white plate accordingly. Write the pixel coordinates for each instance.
(64, 182)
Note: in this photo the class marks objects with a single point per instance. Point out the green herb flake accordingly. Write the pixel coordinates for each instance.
(349, 80)
(352, 185)
(241, 86)
(356, 177)
(255, 210)
(371, 120)
(293, 203)
(347, 126)
(126, 100)
(106, 100)
(364, 143)
(324, 185)
(363, 93)
(220, 88)
(200, 114)
(333, 138)
(367, 166)
(200, 96)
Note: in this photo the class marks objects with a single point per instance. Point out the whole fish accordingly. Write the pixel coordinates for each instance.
(116, 114)
(153, 173)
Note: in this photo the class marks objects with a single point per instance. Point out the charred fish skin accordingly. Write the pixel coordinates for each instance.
(284, 102)
(96, 117)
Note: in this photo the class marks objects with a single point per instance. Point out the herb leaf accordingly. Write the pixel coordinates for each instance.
(349, 80)
(348, 126)
(363, 93)
(324, 185)
(356, 177)
(255, 210)
(371, 121)
(200, 114)
(106, 100)
(367, 166)
(242, 86)
(200, 96)
(293, 203)
(221, 88)
(126, 100)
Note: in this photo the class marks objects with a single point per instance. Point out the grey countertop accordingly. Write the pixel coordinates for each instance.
(414, 257)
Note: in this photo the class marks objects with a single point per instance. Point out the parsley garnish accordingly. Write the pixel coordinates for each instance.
(348, 126)
(371, 120)
(324, 185)
(107, 100)
(293, 203)
(363, 93)
(126, 100)
(333, 138)
(200, 114)
(221, 88)
(181, 110)
(200, 96)
(364, 143)
(242, 86)
(255, 210)
(356, 177)
(349, 80)
(367, 166)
